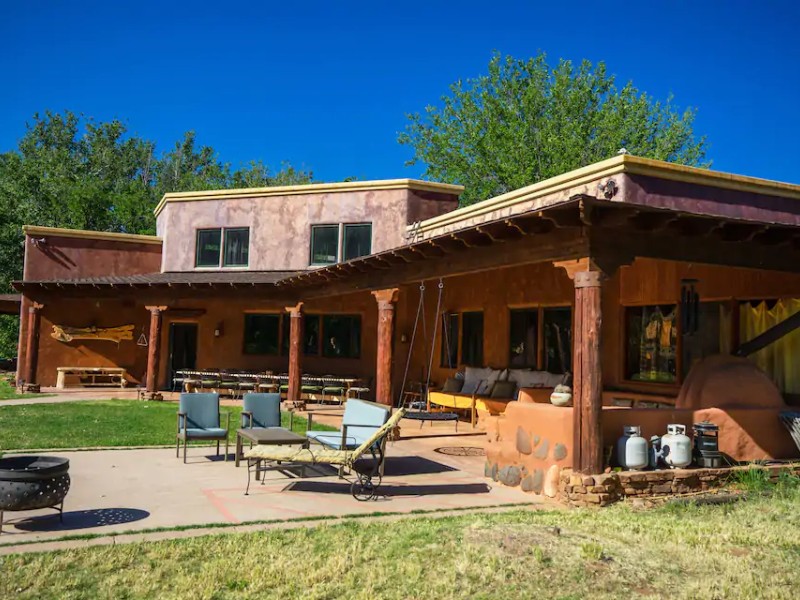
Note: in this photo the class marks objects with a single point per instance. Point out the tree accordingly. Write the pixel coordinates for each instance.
(524, 122)
(70, 171)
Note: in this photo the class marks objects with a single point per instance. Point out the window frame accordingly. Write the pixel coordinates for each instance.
(533, 310)
(198, 231)
(220, 264)
(324, 335)
(625, 329)
(245, 329)
(343, 240)
(318, 226)
(443, 362)
(224, 248)
(341, 230)
(482, 339)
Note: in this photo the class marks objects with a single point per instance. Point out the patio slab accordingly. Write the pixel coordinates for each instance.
(115, 491)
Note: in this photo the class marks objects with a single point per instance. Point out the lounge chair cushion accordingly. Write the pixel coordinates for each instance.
(363, 420)
(296, 454)
(209, 433)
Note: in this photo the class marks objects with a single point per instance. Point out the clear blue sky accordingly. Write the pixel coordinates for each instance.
(326, 85)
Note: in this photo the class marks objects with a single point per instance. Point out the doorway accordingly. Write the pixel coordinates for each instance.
(182, 348)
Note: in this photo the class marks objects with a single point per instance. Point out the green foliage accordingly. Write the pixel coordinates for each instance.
(525, 121)
(71, 171)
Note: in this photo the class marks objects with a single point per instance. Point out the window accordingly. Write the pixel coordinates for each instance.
(449, 340)
(208, 252)
(472, 339)
(342, 336)
(237, 246)
(523, 338)
(208, 247)
(651, 343)
(557, 339)
(324, 244)
(310, 335)
(261, 334)
(357, 241)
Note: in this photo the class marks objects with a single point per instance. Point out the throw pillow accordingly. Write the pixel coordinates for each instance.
(470, 387)
(485, 387)
(504, 390)
(453, 385)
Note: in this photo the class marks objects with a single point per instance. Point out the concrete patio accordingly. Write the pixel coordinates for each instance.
(128, 490)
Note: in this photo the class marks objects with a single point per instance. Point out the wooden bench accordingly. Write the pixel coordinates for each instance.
(90, 377)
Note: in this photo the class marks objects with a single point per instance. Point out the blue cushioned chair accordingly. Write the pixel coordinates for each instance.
(261, 410)
(199, 419)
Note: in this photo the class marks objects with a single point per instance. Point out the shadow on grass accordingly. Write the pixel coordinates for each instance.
(81, 519)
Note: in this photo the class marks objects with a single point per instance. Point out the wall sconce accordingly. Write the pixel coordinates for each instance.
(220, 329)
(403, 338)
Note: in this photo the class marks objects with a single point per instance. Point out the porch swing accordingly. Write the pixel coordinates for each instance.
(419, 410)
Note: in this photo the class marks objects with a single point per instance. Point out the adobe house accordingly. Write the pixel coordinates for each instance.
(625, 273)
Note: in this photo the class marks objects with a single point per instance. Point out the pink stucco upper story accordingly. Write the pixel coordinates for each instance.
(280, 218)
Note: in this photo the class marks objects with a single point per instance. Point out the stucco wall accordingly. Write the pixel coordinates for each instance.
(280, 226)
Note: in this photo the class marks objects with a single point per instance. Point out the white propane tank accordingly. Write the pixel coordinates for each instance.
(676, 447)
(632, 449)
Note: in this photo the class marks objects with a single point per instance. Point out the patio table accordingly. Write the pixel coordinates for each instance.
(275, 436)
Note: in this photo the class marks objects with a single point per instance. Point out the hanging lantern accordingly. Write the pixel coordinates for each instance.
(690, 307)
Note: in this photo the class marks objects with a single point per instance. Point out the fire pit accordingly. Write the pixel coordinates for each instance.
(31, 482)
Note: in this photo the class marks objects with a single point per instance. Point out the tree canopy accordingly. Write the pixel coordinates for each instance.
(525, 121)
(70, 171)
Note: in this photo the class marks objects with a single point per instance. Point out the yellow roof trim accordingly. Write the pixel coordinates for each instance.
(311, 188)
(33, 230)
(626, 163)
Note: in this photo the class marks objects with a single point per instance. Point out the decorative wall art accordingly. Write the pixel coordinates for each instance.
(111, 334)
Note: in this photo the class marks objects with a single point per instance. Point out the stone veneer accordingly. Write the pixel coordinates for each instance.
(607, 488)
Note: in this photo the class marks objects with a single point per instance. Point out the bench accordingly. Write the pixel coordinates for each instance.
(90, 377)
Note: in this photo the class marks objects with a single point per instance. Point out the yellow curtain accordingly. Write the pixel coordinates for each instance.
(781, 359)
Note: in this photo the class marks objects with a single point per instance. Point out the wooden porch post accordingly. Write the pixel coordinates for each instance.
(295, 353)
(383, 368)
(32, 343)
(587, 379)
(154, 350)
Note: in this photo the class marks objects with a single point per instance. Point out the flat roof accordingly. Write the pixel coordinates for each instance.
(310, 188)
(170, 278)
(624, 163)
(36, 231)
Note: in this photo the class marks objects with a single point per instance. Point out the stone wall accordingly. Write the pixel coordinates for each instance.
(607, 488)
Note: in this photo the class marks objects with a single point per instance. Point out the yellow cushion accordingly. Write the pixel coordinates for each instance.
(316, 455)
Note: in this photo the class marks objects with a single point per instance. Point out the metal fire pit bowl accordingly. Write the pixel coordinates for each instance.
(32, 482)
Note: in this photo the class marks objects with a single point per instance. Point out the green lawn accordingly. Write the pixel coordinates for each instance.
(101, 423)
(749, 549)
(7, 392)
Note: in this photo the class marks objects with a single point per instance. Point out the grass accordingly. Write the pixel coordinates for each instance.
(747, 549)
(102, 423)
(8, 392)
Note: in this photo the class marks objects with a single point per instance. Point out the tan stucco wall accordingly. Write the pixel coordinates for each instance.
(280, 226)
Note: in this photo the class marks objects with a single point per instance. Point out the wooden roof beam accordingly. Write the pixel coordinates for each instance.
(568, 216)
(694, 226)
(652, 220)
(740, 232)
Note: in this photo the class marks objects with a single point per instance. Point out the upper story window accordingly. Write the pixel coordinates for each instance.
(222, 247)
(334, 243)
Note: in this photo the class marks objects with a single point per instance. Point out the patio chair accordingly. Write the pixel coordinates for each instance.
(358, 390)
(262, 410)
(361, 420)
(366, 483)
(199, 419)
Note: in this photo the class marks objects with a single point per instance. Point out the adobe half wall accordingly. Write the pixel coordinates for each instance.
(531, 443)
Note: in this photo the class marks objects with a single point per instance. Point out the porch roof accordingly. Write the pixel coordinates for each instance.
(170, 279)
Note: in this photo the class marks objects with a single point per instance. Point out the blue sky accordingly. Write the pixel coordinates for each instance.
(326, 85)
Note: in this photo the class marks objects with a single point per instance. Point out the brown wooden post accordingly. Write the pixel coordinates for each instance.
(153, 350)
(32, 343)
(383, 368)
(587, 375)
(295, 353)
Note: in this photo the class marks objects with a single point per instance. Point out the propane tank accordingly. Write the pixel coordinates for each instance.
(676, 447)
(632, 449)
